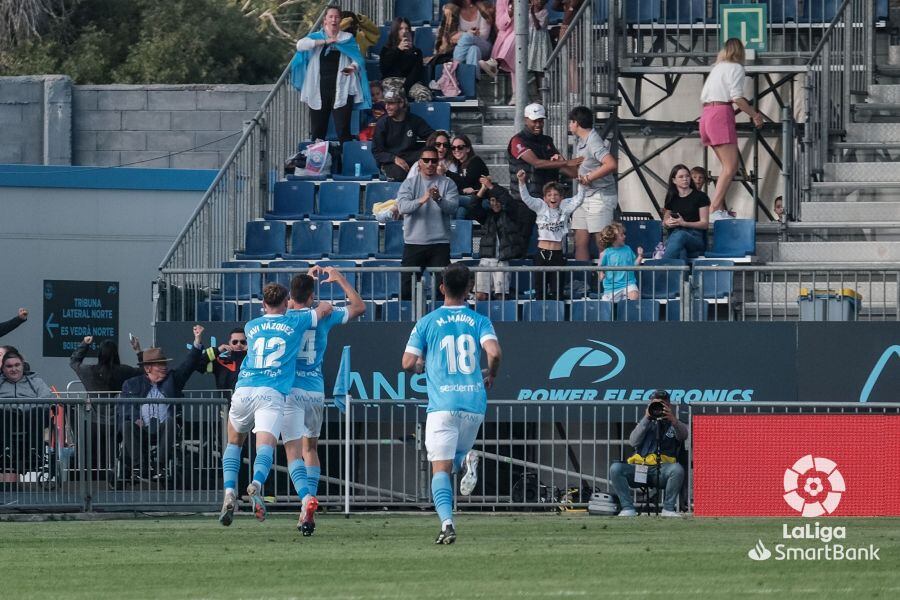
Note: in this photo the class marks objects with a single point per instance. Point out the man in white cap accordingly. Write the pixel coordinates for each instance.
(533, 152)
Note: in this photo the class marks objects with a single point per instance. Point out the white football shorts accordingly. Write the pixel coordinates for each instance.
(448, 433)
(302, 415)
(257, 408)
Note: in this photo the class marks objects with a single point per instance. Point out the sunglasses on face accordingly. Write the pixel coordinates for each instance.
(459, 147)
(429, 161)
(244, 342)
(441, 144)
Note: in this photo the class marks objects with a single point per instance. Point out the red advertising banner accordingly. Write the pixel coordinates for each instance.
(796, 465)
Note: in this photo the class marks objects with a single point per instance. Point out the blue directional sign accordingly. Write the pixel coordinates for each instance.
(74, 310)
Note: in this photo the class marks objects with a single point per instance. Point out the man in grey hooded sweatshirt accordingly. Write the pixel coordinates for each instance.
(22, 424)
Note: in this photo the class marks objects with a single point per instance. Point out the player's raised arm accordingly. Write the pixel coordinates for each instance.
(323, 310)
(356, 306)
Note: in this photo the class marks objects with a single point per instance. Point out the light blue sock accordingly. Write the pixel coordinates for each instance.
(312, 479)
(231, 464)
(442, 494)
(458, 461)
(262, 464)
(298, 476)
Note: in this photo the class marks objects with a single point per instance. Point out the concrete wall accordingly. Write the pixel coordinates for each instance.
(36, 120)
(91, 235)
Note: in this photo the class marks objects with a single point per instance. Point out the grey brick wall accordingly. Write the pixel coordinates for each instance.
(36, 120)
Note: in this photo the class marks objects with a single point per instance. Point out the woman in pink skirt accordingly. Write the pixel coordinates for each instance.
(724, 87)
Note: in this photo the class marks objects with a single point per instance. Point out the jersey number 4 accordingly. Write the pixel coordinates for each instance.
(460, 353)
(268, 352)
(308, 347)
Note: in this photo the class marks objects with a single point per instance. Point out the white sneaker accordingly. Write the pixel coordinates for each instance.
(719, 214)
(627, 512)
(489, 66)
(468, 481)
(669, 513)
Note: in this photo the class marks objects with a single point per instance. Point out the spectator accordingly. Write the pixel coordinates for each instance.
(402, 65)
(440, 140)
(778, 209)
(225, 361)
(468, 170)
(533, 152)
(552, 221)
(685, 215)
(618, 285)
(448, 34)
(659, 422)
(476, 26)
(139, 425)
(23, 424)
(361, 28)
(539, 45)
(109, 373)
(4, 350)
(501, 239)
(428, 203)
(8, 326)
(330, 73)
(724, 87)
(396, 144)
(503, 54)
(597, 176)
(568, 8)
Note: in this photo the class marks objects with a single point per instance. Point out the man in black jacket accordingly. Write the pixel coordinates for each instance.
(17, 320)
(397, 134)
(501, 237)
(140, 423)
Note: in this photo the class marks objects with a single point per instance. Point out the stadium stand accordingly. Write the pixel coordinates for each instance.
(292, 200)
(378, 191)
(357, 239)
(358, 163)
(436, 114)
(337, 201)
(265, 240)
(311, 239)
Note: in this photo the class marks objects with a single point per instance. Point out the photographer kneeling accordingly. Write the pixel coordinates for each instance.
(659, 417)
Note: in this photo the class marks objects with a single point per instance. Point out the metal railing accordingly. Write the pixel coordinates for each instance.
(703, 292)
(544, 455)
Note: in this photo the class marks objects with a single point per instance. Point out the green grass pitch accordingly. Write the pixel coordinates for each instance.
(391, 556)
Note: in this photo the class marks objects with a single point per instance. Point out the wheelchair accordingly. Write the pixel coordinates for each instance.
(146, 455)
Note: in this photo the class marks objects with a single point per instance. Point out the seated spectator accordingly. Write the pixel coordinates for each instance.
(672, 434)
(362, 28)
(402, 64)
(552, 222)
(330, 73)
(778, 209)
(468, 169)
(685, 215)
(396, 144)
(225, 361)
(618, 285)
(440, 141)
(476, 26)
(8, 326)
(501, 239)
(23, 424)
(141, 425)
(428, 203)
(368, 118)
(109, 373)
(448, 35)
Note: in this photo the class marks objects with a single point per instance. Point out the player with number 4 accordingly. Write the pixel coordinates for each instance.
(266, 377)
(449, 340)
(306, 401)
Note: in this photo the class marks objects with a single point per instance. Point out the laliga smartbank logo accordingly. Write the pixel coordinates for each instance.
(813, 486)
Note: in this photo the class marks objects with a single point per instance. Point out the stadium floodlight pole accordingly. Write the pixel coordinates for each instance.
(521, 82)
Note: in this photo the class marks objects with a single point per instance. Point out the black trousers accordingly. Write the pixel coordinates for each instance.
(21, 438)
(428, 255)
(392, 172)
(318, 119)
(548, 286)
(137, 441)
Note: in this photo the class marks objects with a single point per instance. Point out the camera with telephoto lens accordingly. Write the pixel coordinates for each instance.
(657, 408)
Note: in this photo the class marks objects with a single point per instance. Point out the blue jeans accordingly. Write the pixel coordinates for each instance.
(684, 243)
(464, 203)
(471, 48)
(621, 475)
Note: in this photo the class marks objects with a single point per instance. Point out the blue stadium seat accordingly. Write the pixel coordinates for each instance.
(436, 114)
(417, 11)
(397, 310)
(250, 310)
(637, 310)
(331, 134)
(369, 315)
(293, 200)
(820, 11)
(685, 11)
(382, 40)
(465, 75)
(671, 311)
(423, 39)
(357, 153)
(240, 286)
(460, 238)
(544, 310)
(881, 10)
(332, 292)
(783, 11)
(554, 17)
(645, 234)
(380, 286)
(499, 310)
(217, 311)
(636, 11)
(337, 200)
(264, 240)
(733, 238)
(661, 285)
(299, 266)
(592, 310)
(521, 283)
(712, 284)
(357, 239)
(393, 240)
(378, 191)
(373, 69)
(311, 239)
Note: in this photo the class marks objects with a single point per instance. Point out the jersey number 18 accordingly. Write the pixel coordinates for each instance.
(460, 353)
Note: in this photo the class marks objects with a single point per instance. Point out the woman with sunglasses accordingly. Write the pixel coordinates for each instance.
(225, 361)
(440, 140)
(468, 169)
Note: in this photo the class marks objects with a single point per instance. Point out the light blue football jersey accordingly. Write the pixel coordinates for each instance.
(450, 340)
(272, 345)
(312, 351)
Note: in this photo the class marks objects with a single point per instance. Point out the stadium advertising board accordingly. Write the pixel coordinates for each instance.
(803, 465)
(76, 309)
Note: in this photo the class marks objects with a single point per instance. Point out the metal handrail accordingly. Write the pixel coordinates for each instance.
(838, 16)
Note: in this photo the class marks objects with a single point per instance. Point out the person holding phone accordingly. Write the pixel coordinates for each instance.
(686, 216)
(329, 70)
(402, 65)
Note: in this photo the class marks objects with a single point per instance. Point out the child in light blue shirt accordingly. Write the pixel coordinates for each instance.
(618, 285)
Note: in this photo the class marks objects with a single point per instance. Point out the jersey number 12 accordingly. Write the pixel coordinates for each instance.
(275, 348)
